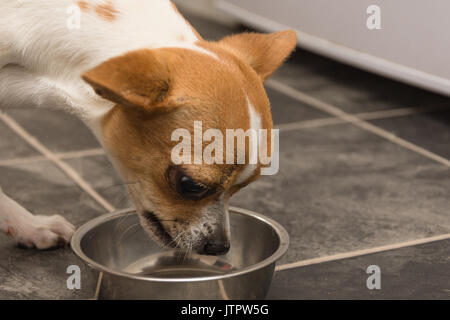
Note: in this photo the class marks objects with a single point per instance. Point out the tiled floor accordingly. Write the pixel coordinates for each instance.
(345, 192)
(419, 272)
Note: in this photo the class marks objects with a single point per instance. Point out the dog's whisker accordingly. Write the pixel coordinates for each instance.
(176, 241)
(189, 246)
(173, 241)
(122, 236)
(120, 221)
(188, 251)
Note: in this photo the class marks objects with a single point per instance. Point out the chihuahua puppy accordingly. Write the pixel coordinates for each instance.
(134, 71)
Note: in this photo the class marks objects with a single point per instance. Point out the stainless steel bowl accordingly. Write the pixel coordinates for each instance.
(134, 267)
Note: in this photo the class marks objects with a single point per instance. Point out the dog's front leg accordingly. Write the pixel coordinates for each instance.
(42, 232)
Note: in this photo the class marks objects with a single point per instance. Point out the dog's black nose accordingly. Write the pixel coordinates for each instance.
(217, 248)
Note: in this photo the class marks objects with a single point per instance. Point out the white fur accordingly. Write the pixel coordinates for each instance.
(255, 124)
(41, 63)
(34, 35)
(42, 232)
(214, 218)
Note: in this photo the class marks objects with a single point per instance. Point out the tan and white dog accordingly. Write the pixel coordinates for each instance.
(134, 71)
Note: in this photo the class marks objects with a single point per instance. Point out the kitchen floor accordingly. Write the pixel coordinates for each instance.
(364, 180)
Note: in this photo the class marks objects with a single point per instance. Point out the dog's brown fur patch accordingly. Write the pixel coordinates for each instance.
(83, 5)
(106, 11)
(263, 52)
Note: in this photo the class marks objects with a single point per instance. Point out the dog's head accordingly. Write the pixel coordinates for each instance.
(162, 91)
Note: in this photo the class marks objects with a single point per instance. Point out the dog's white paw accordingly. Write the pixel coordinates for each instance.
(43, 232)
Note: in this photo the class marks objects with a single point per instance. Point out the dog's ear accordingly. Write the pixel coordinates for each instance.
(137, 79)
(263, 52)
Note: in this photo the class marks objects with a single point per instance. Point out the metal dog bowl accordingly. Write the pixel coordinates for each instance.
(134, 267)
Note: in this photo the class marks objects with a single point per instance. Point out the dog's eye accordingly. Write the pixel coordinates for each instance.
(191, 189)
(187, 187)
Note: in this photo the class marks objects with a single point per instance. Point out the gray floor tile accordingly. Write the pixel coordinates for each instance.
(30, 274)
(429, 131)
(57, 130)
(341, 189)
(419, 272)
(208, 29)
(351, 89)
(44, 189)
(286, 110)
(101, 175)
(13, 146)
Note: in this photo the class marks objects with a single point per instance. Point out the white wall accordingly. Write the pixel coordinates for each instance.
(206, 9)
(413, 44)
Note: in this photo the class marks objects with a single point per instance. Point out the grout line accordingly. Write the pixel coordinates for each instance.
(399, 112)
(80, 153)
(61, 156)
(61, 164)
(357, 253)
(375, 115)
(17, 161)
(313, 102)
(306, 124)
(99, 284)
(222, 290)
